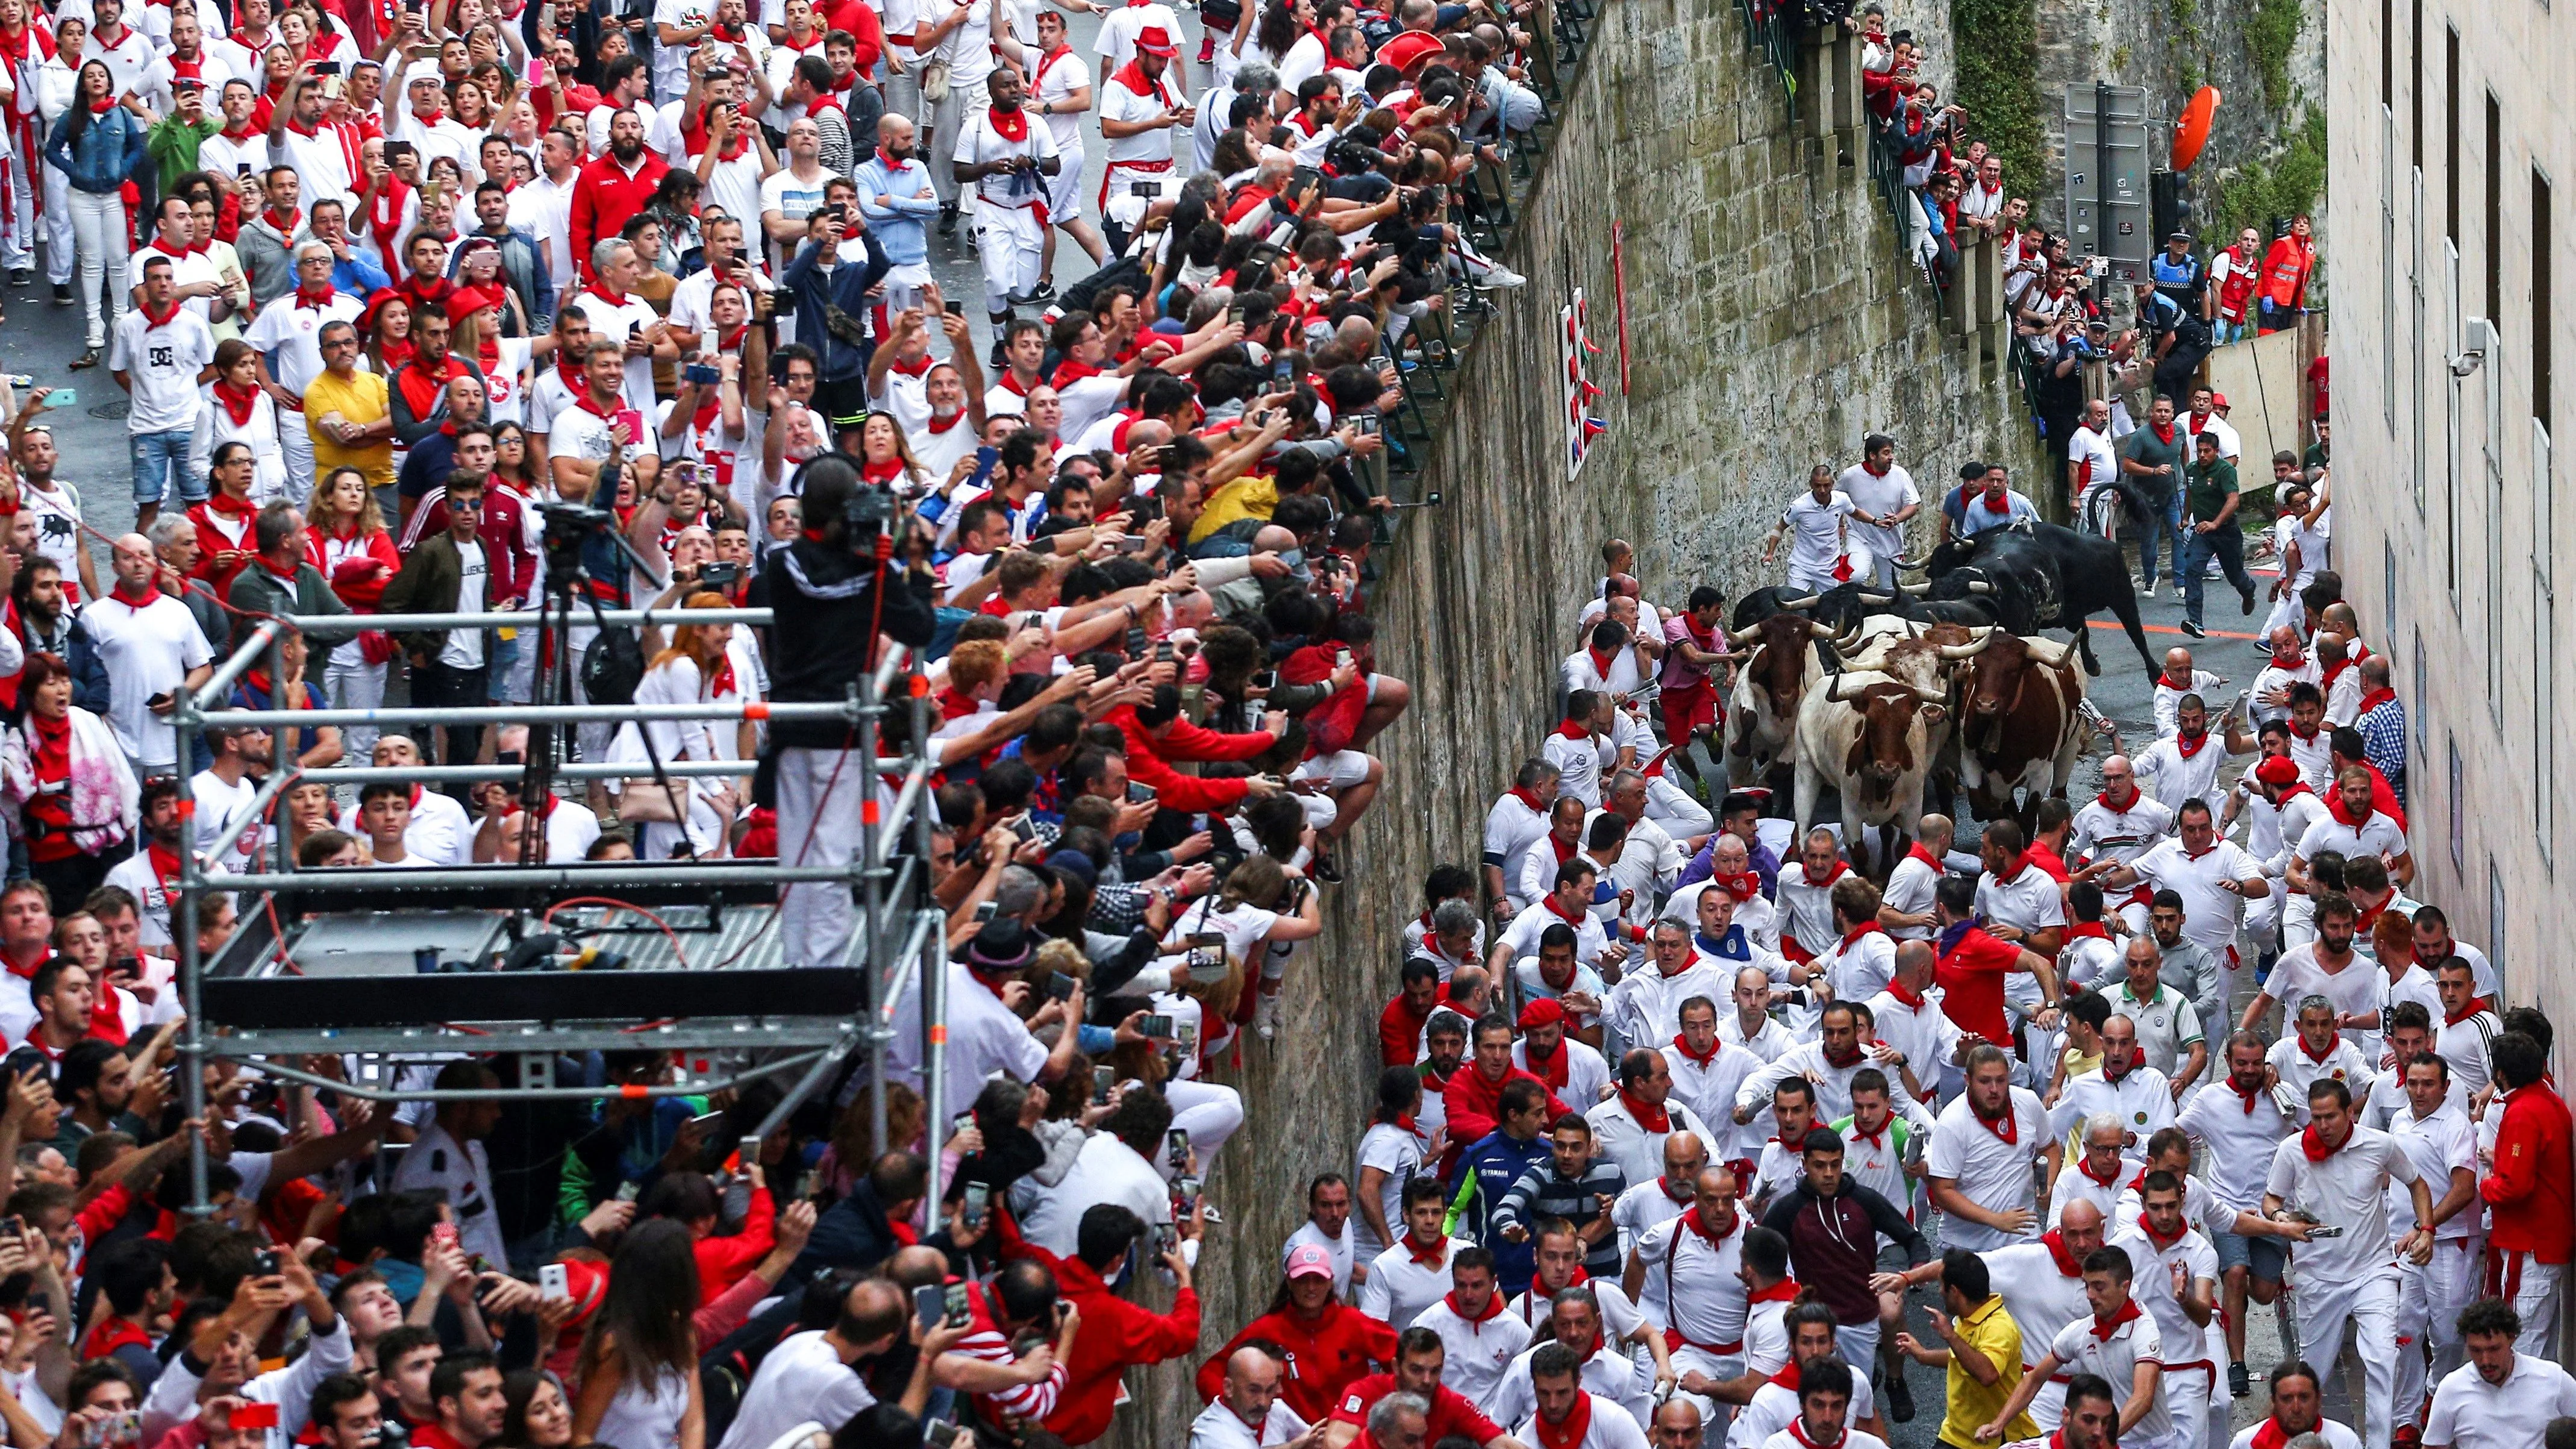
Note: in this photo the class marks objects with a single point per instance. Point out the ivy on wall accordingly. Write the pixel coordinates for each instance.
(2269, 35)
(1998, 45)
(2285, 186)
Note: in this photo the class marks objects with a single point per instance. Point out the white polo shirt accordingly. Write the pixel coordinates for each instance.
(2115, 1358)
(2337, 1436)
(287, 330)
(2142, 1100)
(2173, 777)
(1691, 1285)
(1909, 889)
(2104, 831)
(2354, 990)
(2467, 1044)
(1218, 1426)
(147, 651)
(1401, 1285)
(2470, 1413)
(2041, 1297)
(1989, 1171)
(1510, 826)
(2152, 1264)
(1815, 531)
(1647, 1205)
(2298, 1070)
(1612, 1426)
(2438, 1145)
(1479, 1349)
(1578, 765)
(614, 321)
(2347, 1189)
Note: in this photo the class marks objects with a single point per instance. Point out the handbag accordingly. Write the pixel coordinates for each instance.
(934, 81)
(649, 801)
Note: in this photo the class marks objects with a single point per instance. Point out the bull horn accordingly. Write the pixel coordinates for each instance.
(1803, 601)
(1743, 638)
(1914, 591)
(2047, 652)
(1928, 696)
(1913, 565)
(1875, 596)
(1967, 651)
(1821, 630)
(1980, 586)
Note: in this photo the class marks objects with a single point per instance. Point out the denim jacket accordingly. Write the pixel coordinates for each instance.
(846, 288)
(111, 146)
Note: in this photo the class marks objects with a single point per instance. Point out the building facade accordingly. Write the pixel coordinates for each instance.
(2451, 175)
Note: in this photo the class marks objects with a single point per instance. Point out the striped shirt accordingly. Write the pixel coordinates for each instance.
(989, 1344)
(1543, 1192)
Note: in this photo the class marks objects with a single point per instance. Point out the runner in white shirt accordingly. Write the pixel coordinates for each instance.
(2042, 1285)
(2352, 829)
(2117, 1342)
(1250, 1413)
(1516, 821)
(1139, 106)
(1977, 1165)
(2317, 1051)
(1883, 497)
(2337, 1173)
(2443, 1144)
(2089, 459)
(2214, 877)
(2117, 826)
(1011, 159)
(1911, 884)
(1684, 1274)
(1816, 523)
(2495, 1400)
(2296, 1404)
(2465, 1034)
(1412, 1275)
(2176, 1277)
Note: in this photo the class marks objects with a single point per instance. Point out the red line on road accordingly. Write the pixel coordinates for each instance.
(2169, 629)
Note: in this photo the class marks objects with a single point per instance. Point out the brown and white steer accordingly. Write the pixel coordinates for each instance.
(1872, 736)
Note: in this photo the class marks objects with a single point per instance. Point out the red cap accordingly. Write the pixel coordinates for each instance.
(1155, 40)
(2277, 770)
(1408, 51)
(464, 302)
(2217, 399)
(1543, 1012)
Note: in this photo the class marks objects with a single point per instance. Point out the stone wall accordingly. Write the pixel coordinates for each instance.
(1770, 324)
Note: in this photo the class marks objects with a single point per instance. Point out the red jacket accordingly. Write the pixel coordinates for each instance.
(1115, 1334)
(723, 1261)
(213, 537)
(1399, 1031)
(2529, 1190)
(1324, 1357)
(1149, 762)
(358, 586)
(513, 567)
(1328, 725)
(604, 196)
(1474, 1105)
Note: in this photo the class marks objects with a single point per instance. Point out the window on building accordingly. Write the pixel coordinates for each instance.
(2495, 213)
(2388, 264)
(2495, 922)
(2544, 535)
(2452, 329)
(2388, 53)
(2451, 134)
(2415, 702)
(2459, 808)
(2415, 355)
(2543, 296)
(2415, 88)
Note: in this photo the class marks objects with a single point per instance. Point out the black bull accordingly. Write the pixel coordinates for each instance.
(2039, 576)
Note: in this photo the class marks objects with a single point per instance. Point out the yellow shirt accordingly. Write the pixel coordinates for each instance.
(361, 400)
(1991, 1332)
(1252, 496)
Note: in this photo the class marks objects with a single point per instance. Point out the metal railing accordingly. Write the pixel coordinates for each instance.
(901, 940)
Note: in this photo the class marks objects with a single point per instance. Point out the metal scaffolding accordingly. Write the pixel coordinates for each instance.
(718, 1037)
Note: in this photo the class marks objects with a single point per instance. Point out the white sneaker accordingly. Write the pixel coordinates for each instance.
(1265, 1017)
(1501, 279)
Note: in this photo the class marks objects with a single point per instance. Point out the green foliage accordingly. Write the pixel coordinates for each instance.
(1998, 42)
(2287, 184)
(2269, 35)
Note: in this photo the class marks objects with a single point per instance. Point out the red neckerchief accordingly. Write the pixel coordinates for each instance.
(1132, 76)
(238, 403)
(1911, 999)
(2115, 807)
(826, 101)
(162, 319)
(1917, 852)
(1569, 1432)
(1069, 371)
(2374, 698)
(576, 377)
(1046, 63)
(422, 392)
(595, 408)
(2366, 917)
(2292, 791)
(2188, 745)
(2333, 1039)
(721, 683)
(1009, 382)
(2449, 1020)
(711, 400)
(2167, 681)
(1997, 505)
(937, 426)
(953, 705)
(1798, 1431)
(2084, 1164)
(1493, 1307)
(141, 599)
(230, 506)
(2087, 931)
(2305, 732)
(111, 1334)
(882, 473)
(102, 107)
(1865, 928)
(912, 367)
(2247, 1095)
(1011, 126)
(2314, 1145)
(1549, 1069)
(2102, 1331)
(2164, 432)
(1808, 879)
(1572, 730)
(2270, 1435)
(2161, 1242)
(1702, 1059)
(1601, 662)
(1877, 1139)
(1784, 1291)
(1845, 1059)
(1557, 908)
(1433, 1257)
(2122, 1074)
(1740, 885)
(2067, 1267)
(305, 297)
(1564, 848)
(2332, 674)
(1652, 1117)
(2007, 1126)
(2334, 807)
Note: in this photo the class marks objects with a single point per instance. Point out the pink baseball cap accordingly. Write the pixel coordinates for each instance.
(1309, 1261)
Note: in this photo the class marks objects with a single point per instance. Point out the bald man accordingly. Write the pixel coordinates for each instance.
(1250, 1413)
(152, 647)
(2179, 679)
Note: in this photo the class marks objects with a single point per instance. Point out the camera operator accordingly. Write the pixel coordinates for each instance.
(841, 584)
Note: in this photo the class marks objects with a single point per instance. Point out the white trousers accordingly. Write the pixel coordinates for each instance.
(2187, 1401)
(2533, 1289)
(818, 825)
(350, 682)
(1011, 246)
(1719, 1367)
(1209, 1112)
(98, 231)
(2429, 1300)
(295, 441)
(2369, 1307)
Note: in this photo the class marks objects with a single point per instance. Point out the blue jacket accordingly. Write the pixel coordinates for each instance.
(903, 228)
(360, 278)
(111, 146)
(1487, 1171)
(523, 268)
(846, 288)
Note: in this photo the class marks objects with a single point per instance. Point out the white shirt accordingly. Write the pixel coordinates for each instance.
(1612, 1426)
(2041, 1298)
(2116, 1359)
(2274, 675)
(2467, 1045)
(544, 209)
(1115, 102)
(1774, 1408)
(1815, 531)
(1909, 889)
(2209, 915)
(1638, 1151)
(1478, 1351)
(2169, 699)
(1399, 1288)
(1106, 1170)
(2090, 452)
(460, 1172)
(1878, 497)
(2438, 1145)
(802, 1378)
(464, 647)
(2173, 779)
(1691, 1285)
(613, 322)
(2186, 1342)
(2354, 990)
(1852, 1438)
(2337, 1436)
(2346, 1190)
(147, 651)
(1988, 1171)
(1578, 765)
(978, 141)
(1219, 1427)
(2376, 837)
(1397, 1153)
(2240, 1140)
(2105, 832)
(1338, 1249)
(2228, 445)
(439, 834)
(162, 361)
(2141, 1099)
(983, 1037)
(285, 330)
(2470, 1413)
(218, 806)
(2297, 1070)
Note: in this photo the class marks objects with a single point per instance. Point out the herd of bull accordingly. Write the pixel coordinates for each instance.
(1900, 698)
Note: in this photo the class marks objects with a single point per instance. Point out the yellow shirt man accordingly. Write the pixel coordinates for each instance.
(1990, 1331)
(359, 400)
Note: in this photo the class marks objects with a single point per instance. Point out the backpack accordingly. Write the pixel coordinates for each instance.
(612, 666)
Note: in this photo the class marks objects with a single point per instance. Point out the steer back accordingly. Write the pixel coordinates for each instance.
(2019, 726)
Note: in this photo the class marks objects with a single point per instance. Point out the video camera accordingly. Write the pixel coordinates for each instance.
(867, 516)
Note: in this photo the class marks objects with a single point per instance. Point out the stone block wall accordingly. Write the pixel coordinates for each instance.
(1770, 323)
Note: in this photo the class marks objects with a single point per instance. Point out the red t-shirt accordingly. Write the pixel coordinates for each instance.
(1450, 1411)
(1971, 974)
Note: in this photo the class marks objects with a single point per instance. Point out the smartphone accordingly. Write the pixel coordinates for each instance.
(1136, 642)
(1265, 679)
(627, 1190)
(960, 1123)
(1060, 987)
(1165, 1239)
(747, 1151)
(1367, 423)
(1164, 653)
(554, 1281)
(929, 1305)
(1102, 1079)
(1185, 1195)
(1302, 178)
(720, 575)
(707, 1122)
(940, 1434)
(1207, 957)
(1185, 1038)
(955, 1310)
(984, 912)
(444, 1234)
(1157, 1026)
(1147, 189)
(1033, 620)
(266, 1264)
(701, 373)
(838, 211)
(61, 397)
(2315, 1233)
(241, 169)
(158, 700)
(1176, 1142)
(953, 307)
(326, 67)
(13, 1226)
(246, 1416)
(1341, 659)
(977, 1202)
